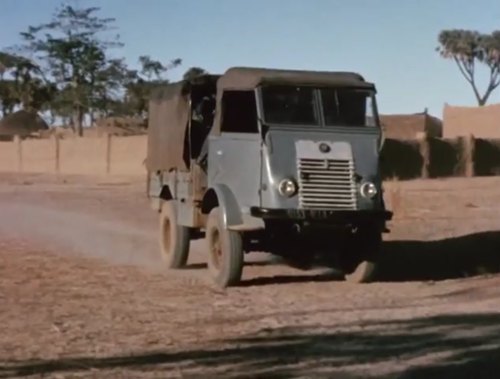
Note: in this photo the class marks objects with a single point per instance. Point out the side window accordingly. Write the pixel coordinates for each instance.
(239, 112)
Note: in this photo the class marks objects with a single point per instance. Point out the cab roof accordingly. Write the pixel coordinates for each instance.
(246, 78)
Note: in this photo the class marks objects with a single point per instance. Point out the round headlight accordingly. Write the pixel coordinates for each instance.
(287, 187)
(368, 190)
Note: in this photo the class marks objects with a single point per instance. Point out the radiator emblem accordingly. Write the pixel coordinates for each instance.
(324, 147)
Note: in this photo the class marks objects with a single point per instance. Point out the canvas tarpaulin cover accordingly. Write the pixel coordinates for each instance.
(167, 125)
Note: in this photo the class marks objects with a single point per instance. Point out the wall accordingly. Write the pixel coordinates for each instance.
(407, 126)
(8, 157)
(119, 155)
(128, 155)
(483, 122)
(81, 156)
(402, 126)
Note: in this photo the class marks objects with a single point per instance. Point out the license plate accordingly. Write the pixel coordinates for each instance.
(310, 213)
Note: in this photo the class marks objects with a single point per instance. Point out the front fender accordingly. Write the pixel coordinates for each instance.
(224, 198)
(232, 218)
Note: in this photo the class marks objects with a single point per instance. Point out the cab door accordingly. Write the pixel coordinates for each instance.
(235, 154)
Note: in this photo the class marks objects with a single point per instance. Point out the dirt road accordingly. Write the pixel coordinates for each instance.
(83, 293)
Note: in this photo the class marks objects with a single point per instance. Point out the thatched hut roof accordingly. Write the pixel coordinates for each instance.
(22, 123)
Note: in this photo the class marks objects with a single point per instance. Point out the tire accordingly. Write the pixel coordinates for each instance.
(173, 238)
(360, 262)
(225, 252)
(364, 272)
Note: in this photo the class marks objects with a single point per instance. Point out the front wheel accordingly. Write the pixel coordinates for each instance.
(363, 272)
(225, 251)
(361, 258)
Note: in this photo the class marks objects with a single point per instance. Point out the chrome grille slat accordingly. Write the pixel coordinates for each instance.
(330, 201)
(330, 197)
(326, 184)
(340, 177)
(343, 191)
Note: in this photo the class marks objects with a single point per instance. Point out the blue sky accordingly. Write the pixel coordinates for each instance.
(391, 42)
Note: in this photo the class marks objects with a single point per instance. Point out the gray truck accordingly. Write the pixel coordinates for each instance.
(278, 161)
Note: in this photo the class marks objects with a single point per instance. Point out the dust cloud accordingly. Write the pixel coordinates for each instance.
(78, 233)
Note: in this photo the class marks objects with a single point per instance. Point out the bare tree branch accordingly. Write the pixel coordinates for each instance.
(467, 48)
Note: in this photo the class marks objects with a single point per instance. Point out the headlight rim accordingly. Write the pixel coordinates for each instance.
(283, 182)
(364, 190)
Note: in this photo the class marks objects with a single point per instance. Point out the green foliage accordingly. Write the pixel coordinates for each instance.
(21, 83)
(469, 48)
(73, 53)
(194, 72)
(71, 73)
(8, 96)
(139, 88)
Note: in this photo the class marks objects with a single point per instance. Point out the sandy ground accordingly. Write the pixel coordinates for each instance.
(83, 293)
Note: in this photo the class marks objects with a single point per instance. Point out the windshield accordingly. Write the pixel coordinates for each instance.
(290, 105)
(347, 107)
(301, 106)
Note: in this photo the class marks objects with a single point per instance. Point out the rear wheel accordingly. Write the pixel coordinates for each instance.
(225, 251)
(174, 238)
(360, 259)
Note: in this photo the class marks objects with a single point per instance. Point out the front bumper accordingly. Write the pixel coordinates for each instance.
(324, 215)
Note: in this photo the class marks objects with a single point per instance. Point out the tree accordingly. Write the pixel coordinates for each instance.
(468, 48)
(64, 67)
(194, 72)
(21, 83)
(9, 98)
(72, 51)
(7, 62)
(140, 84)
(108, 83)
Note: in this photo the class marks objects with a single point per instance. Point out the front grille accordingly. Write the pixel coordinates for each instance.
(326, 184)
